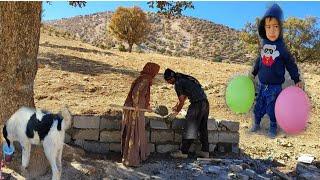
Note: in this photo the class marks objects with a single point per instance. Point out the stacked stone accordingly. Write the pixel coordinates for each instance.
(101, 134)
(223, 136)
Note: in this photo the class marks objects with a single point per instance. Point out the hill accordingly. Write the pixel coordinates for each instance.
(184, 36)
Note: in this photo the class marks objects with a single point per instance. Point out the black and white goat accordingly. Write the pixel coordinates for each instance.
(33, 126)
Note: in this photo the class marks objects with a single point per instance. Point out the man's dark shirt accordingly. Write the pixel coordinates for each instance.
(189, 88)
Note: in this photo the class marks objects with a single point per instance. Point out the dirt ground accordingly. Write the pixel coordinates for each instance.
(88, 79)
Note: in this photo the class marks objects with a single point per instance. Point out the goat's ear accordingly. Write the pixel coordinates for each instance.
(65, 113)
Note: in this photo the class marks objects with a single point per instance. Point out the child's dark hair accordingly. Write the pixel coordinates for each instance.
(262, 30)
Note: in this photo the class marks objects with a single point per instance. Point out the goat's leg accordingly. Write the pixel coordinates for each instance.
(59, 158)
(26, 148)
(51, 153)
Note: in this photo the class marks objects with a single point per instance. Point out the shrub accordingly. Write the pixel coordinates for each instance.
(138, 49)
(217, 58)
(122, 48)
(162, 50)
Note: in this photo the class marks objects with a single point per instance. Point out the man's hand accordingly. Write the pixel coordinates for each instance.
(173, 115)
(175, 108)
(179, 105)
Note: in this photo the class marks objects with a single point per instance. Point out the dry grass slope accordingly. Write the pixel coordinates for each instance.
(88, 78)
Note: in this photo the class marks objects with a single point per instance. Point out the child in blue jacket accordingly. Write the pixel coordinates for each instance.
(270, 67)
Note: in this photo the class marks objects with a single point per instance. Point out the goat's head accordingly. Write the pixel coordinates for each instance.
(67, 117)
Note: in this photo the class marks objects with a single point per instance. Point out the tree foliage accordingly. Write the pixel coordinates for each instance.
(78, 3)
(250, 37)
(74, 3)
(130, 25)
(302, 37)
(171, 8)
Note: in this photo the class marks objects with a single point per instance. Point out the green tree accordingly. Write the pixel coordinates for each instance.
(171, 8)
(130, 25)
(302, 37)
(250, 37)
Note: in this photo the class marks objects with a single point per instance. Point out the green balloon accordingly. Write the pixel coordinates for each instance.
(240, 94)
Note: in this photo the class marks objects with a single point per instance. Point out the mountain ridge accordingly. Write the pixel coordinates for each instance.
(179, 36)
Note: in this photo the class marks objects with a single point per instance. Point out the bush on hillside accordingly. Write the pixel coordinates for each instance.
(217, 58)
(121, 48)
(162, 50)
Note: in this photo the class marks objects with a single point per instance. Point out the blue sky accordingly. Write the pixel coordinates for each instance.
(232, 14)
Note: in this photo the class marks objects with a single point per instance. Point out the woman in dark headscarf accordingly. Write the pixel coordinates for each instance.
(134, 143)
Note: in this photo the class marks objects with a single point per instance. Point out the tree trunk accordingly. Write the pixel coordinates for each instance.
(130, 47)
(19, 33)
(19, 42)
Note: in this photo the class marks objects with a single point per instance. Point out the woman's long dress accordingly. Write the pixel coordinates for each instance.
(134, 143)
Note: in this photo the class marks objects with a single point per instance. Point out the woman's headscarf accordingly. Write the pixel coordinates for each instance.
(149, 71)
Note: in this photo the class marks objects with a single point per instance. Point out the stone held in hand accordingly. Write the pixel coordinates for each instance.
(161, 110)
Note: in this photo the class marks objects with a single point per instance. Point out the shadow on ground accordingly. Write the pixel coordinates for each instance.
(81, 65)
(79, 49)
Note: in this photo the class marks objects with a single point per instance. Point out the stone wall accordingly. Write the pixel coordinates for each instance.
(101, 134)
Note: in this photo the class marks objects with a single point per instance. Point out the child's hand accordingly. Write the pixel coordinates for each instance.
(300, 85)
(250, 75)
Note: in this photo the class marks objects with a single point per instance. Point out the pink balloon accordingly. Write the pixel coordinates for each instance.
(292, 110)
